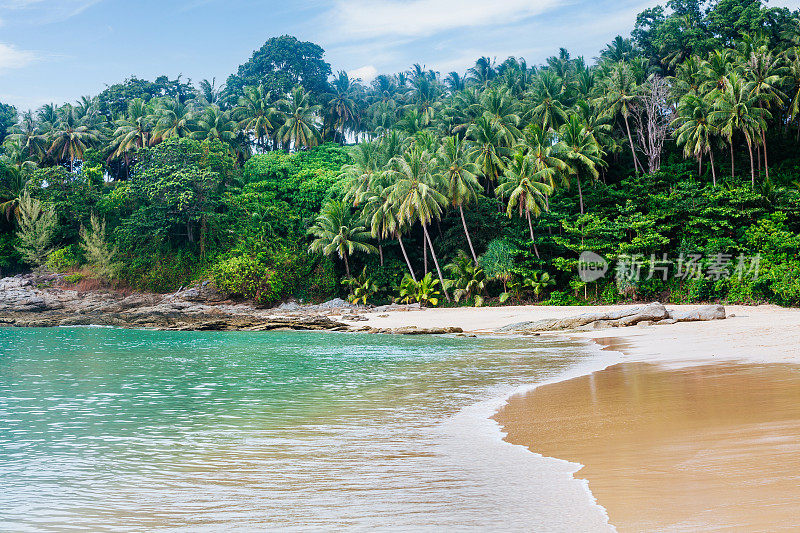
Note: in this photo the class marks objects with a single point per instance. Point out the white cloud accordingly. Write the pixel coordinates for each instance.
(366, 73)
(12, 57)
(366, 19)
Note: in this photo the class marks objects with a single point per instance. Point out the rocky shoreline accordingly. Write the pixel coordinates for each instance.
(46, 300)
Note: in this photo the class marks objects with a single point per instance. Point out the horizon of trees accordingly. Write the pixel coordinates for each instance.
(717, 83)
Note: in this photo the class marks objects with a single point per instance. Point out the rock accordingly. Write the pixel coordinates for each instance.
(628, 316)
(665, 322)
(336, 303)
(707, 312)
(413, 330)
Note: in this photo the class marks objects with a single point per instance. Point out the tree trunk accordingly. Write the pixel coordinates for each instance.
(380, 251)
(764, 142)
(732, 169)
(713, 172)
(436, 262)
(346, 265)
(580, 192)
(405, 255)
(630, 140)
(530, 227)
(700, 165)
(466, 232)
(424, 253)
(752, 168)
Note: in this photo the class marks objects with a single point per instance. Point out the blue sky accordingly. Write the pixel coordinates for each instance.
(58, 50)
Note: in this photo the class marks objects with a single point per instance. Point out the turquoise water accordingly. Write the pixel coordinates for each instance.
(113, 430)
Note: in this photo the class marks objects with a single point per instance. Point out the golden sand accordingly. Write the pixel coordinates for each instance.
(713, 447)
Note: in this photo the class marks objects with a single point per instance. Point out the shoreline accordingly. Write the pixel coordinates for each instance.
(764, 336)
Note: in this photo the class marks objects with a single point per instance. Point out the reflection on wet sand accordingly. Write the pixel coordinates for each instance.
(714, 447)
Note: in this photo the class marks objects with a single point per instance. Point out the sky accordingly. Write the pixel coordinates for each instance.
(58, 50)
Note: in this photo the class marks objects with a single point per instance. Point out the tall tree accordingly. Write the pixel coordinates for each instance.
(459, 176)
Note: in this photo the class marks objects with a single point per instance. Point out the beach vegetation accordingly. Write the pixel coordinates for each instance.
(485, 186)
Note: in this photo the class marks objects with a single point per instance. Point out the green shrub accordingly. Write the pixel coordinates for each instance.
(63, 259)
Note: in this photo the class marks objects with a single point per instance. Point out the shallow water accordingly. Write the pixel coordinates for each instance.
(109, 430)
(701, 448)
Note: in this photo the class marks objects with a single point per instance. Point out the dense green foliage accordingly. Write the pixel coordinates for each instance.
(677, 148)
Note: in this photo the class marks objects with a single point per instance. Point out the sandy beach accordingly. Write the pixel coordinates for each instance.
(696, 428)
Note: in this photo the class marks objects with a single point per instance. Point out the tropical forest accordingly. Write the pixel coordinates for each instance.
(292, 180)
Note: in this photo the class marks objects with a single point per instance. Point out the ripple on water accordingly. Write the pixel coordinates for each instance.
(111, 429)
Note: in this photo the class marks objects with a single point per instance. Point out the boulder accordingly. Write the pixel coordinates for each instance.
(627, 316)
(707, 312)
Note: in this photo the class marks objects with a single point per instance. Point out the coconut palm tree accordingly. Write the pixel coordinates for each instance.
(459, 177)
(488, 149)
(695, 130)
(299, 129)
(215, 124)
(70, 138)
(499, 106)
(546, 100)
(581, 152)
(256, 115)
(342, 108)
(175, 119)
(764, 72)
(361, 173)
(735, 111)
(483, 72)
(620, 92)
(546, 155)
(30, 137)
(209, 92)
(337, 231)
(134, 130)
(525, 191)
(413, 195)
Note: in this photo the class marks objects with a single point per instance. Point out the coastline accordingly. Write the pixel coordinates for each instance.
(764, 334)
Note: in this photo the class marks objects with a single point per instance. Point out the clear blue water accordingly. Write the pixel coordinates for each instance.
(119, 430)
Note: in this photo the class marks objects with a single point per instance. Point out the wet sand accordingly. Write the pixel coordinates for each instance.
(712, 447)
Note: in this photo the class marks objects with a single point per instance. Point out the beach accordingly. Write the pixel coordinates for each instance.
(695, 427)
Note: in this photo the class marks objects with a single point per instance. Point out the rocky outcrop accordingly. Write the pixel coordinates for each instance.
(650, 314)
(28, 301)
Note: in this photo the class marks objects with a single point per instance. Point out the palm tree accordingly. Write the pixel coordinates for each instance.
(483, 72)
(525, 189)
(792, 79)
(30, 137)
(458, 174)
(342, 107)
(620, 94)
(71, 138)
(500, 108)
(337, 231)
(256, 114)
(545, 155)
(414, 196)
(214, 124)
(764, 70)
(361, 173)
(134, 130)
(209, 92)
(581, 152)
(548, 108)
(695, 130)
(175, 120)
(488, 150)
(300, 127)
(735, 111)
(455, 82)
